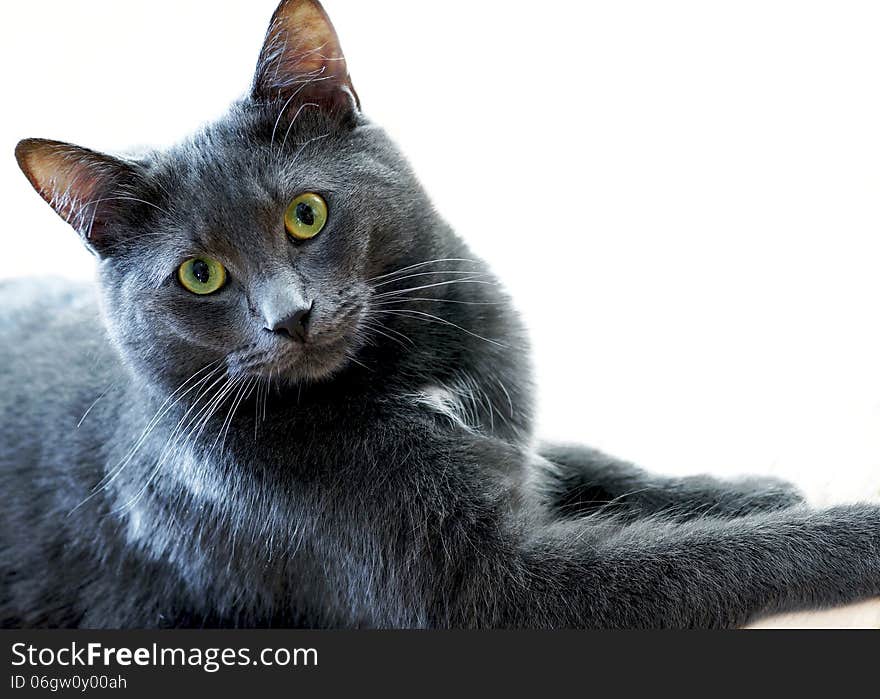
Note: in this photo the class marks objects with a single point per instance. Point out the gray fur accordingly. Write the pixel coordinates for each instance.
(165, 461)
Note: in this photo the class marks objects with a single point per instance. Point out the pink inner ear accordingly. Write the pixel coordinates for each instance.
(302, 57)
(71, 179)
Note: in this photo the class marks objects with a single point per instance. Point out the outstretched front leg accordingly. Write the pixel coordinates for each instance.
(579, 480)
(470, 544)
(709, 573)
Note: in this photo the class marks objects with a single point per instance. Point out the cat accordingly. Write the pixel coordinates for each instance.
(296, 398)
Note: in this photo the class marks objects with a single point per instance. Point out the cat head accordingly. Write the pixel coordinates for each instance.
(264, 240)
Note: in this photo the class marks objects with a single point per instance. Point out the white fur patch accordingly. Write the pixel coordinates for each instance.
(199, 478)
(441, 400)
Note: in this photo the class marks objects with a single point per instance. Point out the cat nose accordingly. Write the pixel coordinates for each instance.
(294, 325)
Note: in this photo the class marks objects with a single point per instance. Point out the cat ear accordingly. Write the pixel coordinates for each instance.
(302, 58)
(83, 186)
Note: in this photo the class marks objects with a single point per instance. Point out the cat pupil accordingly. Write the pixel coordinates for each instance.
(304, 214)
(201, 271)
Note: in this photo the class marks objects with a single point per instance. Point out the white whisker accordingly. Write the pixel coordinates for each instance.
(388, 294)
(426, 274)
(428, 317)
(420, 264)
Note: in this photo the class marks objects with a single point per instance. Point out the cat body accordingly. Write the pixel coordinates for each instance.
(295, 398)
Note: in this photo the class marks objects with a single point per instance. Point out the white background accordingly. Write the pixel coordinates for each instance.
(683, 197)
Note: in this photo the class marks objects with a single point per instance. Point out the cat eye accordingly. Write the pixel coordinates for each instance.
(306, 216)
(202, 275)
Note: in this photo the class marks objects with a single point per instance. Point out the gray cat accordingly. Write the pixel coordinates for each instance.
(295, 398)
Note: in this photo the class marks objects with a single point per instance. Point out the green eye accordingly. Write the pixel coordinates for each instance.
(306, 216)
(202, 275)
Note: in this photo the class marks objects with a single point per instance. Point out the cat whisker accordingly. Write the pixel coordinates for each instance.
(428, 274)
(94, 403)
(268, 390)
(428, 317)
(433, 300)
(170, 402)
(507, 395)
(227, 421)
(111, 475)
(398, 292)
(260, 402)
(197, 422)
(257, 408)
(420, 264)
(246, 386)
(203, 412)
(379, 328)
(200, 421)
(213, 407)
(357, 361)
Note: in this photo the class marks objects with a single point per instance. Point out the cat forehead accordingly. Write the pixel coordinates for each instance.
(235, 159)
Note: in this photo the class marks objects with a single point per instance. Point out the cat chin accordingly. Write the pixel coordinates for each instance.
(319, 364)
(313, 363)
